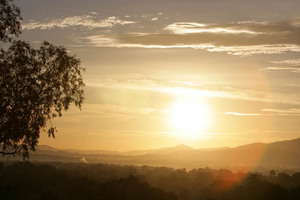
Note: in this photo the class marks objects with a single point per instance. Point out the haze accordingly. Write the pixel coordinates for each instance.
(162, 73)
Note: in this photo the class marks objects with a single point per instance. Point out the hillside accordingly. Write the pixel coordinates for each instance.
(282, 154)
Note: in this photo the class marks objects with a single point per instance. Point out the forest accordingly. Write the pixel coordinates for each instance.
(25, 180)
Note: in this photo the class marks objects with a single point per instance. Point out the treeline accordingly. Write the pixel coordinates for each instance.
(24, 180)
(45, 182)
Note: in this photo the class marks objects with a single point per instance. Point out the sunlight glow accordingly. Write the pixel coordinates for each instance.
(193, 93)
(189, 118)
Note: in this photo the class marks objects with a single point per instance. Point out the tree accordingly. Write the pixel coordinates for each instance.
(272, 173)
(9, 21)
(36, 85)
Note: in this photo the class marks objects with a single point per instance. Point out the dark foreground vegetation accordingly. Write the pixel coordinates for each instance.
(24, 180)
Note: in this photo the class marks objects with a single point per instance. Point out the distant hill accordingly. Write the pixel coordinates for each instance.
(282, 154)
(162, 151)
(46, 148)
(92, 151)
(178, 148)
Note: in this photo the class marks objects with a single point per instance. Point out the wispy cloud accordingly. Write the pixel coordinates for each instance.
(171, 87)
(88, 21)
(295, 69)
(193, 27)
(119, 41)
(256, 49)
(240, 38)
(133, 41)
(269, 112)
(291, 65)
(111, 111)
(289, 62)
(242, 114)
(290, 111)
(115, 110)
(197, 90)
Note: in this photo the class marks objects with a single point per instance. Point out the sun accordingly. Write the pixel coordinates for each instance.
(189, 118)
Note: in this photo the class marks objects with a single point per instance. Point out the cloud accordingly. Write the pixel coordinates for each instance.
(269, 112)
(148, 41)
(192, 27)
(256, 49)
(289, 62)
(242, 114)
(191, 92)
(291, 65)
(296, 22)
(110, 110)
(290, 111)
(240, 38)
(132, 41)
(171, 87)
(199, 90)
(295, 69)
(87, 21)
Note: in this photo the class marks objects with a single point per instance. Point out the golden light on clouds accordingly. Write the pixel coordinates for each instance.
(189, 118)
(205, 75)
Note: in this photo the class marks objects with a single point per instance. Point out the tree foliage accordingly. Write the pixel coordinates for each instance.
(36, 85)
(31, 181)
(25, 180)
(9, 21)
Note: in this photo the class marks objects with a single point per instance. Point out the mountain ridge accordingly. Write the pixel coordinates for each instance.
(279, 154)
(179, 147)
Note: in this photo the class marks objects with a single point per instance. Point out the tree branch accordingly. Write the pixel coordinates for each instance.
(8, 153)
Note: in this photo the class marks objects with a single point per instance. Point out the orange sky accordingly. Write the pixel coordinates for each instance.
(148, 61)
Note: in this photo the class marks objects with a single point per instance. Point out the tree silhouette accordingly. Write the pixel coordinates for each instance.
(36, 85)
(9, 21)
(272, 173)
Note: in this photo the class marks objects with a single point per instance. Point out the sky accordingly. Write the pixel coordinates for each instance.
(205, 73)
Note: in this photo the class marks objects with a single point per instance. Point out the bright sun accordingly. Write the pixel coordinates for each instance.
(189, 118)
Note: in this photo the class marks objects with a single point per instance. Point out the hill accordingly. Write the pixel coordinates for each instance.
(281, 154)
